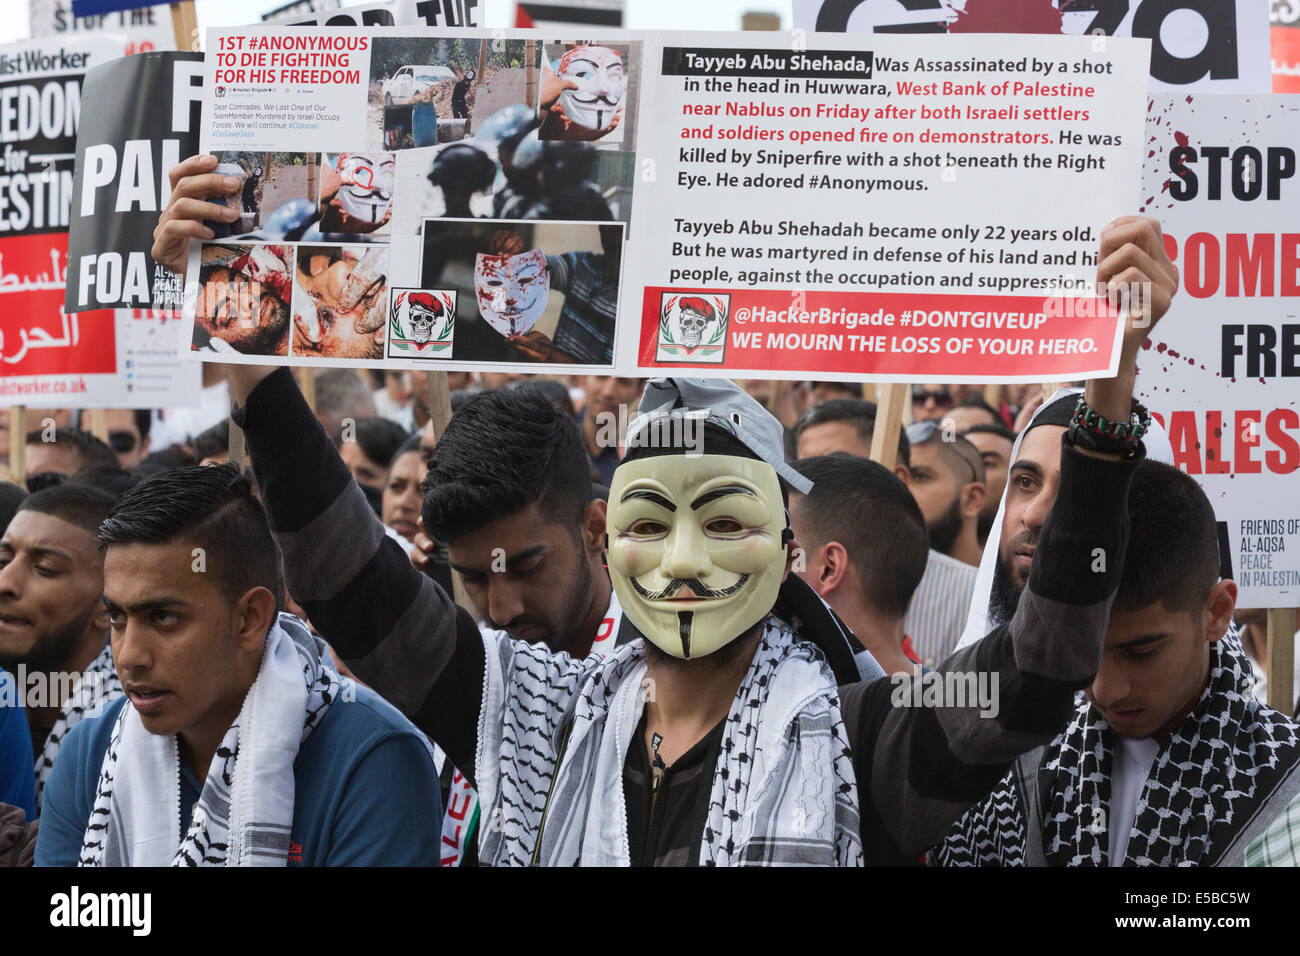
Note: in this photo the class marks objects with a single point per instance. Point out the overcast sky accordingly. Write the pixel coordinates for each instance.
(641, 14)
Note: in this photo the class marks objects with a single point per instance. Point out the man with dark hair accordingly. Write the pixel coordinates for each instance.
(11, 496)
(212, 445)
(278, 761)
(864, 545)
(1168, 760)
(844, 424)
(940, 602)
(65, 451)
(994, 443)
(128, 434)
(947, 480)
(508, 494)
(53, 627)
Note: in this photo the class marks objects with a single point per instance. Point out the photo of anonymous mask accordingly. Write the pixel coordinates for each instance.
(512, 291)
(695, 549)
(367, 189)
(598, 72)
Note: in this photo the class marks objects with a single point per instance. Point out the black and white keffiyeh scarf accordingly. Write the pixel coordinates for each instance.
(1220, 766)
(245, 810)
(784, 791)
(98, 687)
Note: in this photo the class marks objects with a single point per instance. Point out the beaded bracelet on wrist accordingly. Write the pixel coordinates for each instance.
(1130, 431)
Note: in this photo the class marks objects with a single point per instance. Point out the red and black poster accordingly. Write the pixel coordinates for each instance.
(40, 106)
(140, 117)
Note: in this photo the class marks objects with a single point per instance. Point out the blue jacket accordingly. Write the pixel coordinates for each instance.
(366, 792)
(17, 778)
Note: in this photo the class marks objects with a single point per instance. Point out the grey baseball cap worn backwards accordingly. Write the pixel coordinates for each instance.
(721, 402)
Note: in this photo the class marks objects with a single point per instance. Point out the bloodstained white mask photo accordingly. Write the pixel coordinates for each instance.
(512, 291)
(598, 72)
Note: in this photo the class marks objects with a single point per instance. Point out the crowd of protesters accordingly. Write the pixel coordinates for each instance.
(744, 644)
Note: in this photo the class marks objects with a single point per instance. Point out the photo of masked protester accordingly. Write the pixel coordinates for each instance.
(340, 302)
(271, 182)
(356, 197)
(584, 91)
(508, 172)
(243, 299)
(430, 90)
(528, 292)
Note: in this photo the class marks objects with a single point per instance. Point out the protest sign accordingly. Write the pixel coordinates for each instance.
(406, 246)
(1224, 375)
(140, 367)
(145, 28)
(391, 13)
(40, 97)
(139, 118)
(369, 172)
(919, 209)
(545, 14)
(1208, 45)
(1284, 36)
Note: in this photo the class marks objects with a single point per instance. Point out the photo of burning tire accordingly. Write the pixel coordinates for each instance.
(340, 302)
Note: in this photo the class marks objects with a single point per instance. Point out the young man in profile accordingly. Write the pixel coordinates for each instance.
(52, 619)
(237, 743)
(865, 549)
(1167, 760)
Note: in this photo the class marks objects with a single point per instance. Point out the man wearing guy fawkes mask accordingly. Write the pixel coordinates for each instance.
(731, 725)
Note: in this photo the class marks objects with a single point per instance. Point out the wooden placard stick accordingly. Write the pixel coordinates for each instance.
(889, 421)
(1281, 659)
(185, 26)
(18, 444)
(99, 424)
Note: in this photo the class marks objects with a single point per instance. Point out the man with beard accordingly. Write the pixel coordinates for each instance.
(947, 480)
(53, 626)
(1168, 759)
(508, 494)
(243, 299)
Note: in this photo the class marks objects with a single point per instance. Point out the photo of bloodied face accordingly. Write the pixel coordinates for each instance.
(243, 299)
(357, 192)
(513, 290)
(340, 302)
